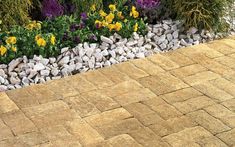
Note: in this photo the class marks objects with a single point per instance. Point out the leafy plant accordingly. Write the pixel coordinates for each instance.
(204, 14)
(14, 12)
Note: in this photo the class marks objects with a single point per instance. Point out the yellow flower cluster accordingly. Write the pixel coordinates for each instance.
(109, 18)
(41, 42)
(11, 40)
(33, 25)
(134, 13)
(3, 50)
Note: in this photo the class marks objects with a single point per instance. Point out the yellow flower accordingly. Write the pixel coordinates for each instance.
(41, 42)
(13, 48)
(109, 18)
(134, 13)
(102, 13)
(11, 40)
(38, 25)
(30, 26)
(112, 7)
(37, 37)
(53, 39)
(111, 27)
(104, 23)
(119, 14)
(93, 7)
(125, 20)
(98, 23)
(136, 27)
(3, 50)
(118, 26)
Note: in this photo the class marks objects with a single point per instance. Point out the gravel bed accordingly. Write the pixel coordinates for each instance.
(164, 36)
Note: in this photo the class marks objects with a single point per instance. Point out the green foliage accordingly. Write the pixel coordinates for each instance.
(26, 44)
(14, 12)
(35, 38)
(203, 14)
(82, 5)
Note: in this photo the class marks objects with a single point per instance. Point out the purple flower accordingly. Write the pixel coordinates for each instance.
(77, 39)
(93, 37)
(84, 16)
(51, 8)
(65, 36)
(74, 27)
(147, 4)
(82, 25)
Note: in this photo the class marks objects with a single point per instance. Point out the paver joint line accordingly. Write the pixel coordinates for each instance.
(182, 98)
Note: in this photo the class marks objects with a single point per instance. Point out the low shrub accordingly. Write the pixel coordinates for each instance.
(14, 12)
(204, 14)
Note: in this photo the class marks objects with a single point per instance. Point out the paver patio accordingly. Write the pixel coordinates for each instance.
(181, 98)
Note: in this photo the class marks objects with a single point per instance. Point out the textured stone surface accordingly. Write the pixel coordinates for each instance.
(183, 98)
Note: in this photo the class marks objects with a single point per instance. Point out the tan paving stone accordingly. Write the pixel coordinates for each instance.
(134, 96)
(232, 55)
(85, 133)
(101, 101)
(211, 141)
(172, 125)
(55, 132)
(201, 77)
(131, 70)
(22, 98)
(66, 142)
(228, 137)
(200, 49)
(100, 144)
(81, 84)
(225, 85)
(108, 117)
(222, 113)
(114, 74)
(178, 58)
(188, 137)
(188, 70)
(18, 123)
(6, 104)
(193, 104)
(61, 88)
(210, 123)
(229, 42)
(222, 48)
(42, 93)
(5, 131)
(213, 65)
(147, 66)
(226, 61)
(53, 113)
(213, 92)
(230, 104)
(97, 78)
(161, 110)
(181, 95)
(122, 88)
(230, 77)
(143, 113)
(82, 106)
(148, 138)
(163, 83)
(163, 62)
(31, 139)
(123, 140)
(119, 127)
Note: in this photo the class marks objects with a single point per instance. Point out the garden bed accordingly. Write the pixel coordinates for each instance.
(31, 55)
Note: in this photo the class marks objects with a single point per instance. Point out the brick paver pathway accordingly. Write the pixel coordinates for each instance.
(180, 98)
